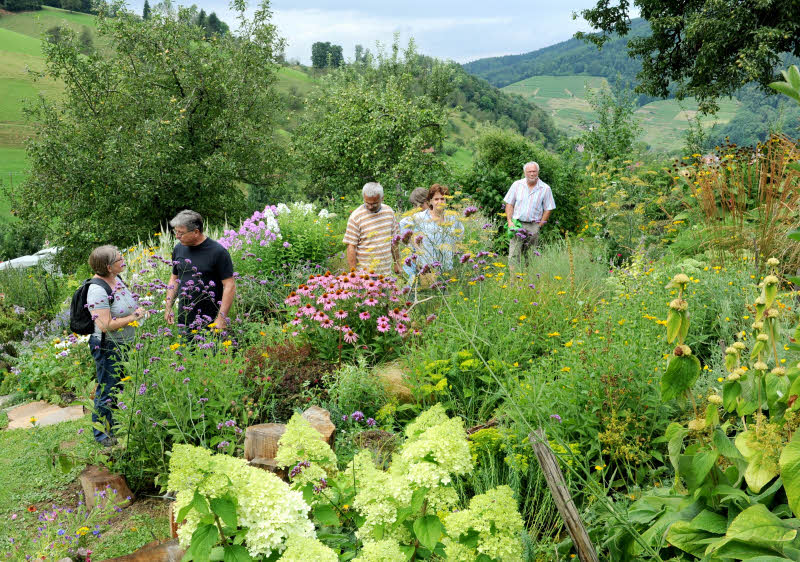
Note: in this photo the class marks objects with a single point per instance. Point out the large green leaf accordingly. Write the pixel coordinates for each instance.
(203, 539)
(790, 472)
(680, 376)
(730, 392)
(711, 522)
(325, 515)
(683, 535)
(428, 531)
(236, 553)
(226, 510)
(760, 469)
(758, 525)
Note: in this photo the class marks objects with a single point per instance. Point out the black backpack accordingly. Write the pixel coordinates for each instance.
(80, 319)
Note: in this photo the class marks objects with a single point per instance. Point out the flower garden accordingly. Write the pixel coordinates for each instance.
(661, 365)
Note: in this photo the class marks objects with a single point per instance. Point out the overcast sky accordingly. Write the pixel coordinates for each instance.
(447, 29)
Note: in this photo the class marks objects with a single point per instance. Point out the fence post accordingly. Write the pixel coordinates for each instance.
(564, 503)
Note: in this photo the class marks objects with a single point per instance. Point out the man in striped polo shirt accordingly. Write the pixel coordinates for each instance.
(530, 201)
(370, 231)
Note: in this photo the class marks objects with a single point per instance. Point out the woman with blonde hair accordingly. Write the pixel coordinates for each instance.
(114, 310)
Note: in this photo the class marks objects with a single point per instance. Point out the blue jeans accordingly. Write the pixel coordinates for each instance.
(105, 358)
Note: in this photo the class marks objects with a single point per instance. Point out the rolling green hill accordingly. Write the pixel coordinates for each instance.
(663, 121)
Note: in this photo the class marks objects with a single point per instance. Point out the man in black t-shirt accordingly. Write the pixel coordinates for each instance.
(202, 270)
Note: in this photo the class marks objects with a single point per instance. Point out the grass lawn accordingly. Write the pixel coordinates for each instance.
(28, 483)
(33, 24)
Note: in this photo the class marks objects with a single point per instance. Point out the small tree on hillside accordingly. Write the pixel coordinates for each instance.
(614, 130)
(371, 123)
(146, 10)
(167, 121)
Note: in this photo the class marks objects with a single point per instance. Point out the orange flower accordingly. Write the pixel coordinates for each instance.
(31, 508)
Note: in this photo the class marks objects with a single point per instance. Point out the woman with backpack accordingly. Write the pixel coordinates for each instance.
(113, 309)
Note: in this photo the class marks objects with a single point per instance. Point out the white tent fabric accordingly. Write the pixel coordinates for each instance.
(42, 257)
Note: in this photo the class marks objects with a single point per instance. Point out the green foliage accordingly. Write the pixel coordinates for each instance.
(325, 55)
(702, 50)
(612, 133)
(138, 152)
(353, 388)
(369, 126)
(36, 289)
(500, 156)
(790, 85)
(22, 5)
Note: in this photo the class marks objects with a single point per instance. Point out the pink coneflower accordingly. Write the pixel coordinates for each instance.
(292, 300)
(430, 318)
(307, 309)
(403, 316)
(350, 336)
(327, 323)
(384, 327)
(340, 314)
(401, 328)
(371, 301)
(320, 316)
(296, 322)
(364, 315)
(417, 332)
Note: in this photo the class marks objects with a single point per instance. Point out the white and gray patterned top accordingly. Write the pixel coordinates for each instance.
(530, 204)
(123, 304)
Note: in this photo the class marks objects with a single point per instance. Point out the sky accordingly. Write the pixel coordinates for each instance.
(448, 29)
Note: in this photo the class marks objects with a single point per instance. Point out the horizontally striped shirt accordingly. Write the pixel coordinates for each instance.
(530, 204)
(371, 234)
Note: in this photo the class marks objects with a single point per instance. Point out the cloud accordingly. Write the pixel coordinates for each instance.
(301, 28)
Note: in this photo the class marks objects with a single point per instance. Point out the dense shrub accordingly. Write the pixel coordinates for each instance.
(500, 156)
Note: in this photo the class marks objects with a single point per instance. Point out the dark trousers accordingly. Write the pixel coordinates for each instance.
(106, 357)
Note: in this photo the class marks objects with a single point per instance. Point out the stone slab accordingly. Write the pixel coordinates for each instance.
(45, 414)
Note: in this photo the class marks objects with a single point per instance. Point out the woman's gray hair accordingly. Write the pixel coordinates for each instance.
(372, 189)
(530, 164)
(101, 258)
(190, 220)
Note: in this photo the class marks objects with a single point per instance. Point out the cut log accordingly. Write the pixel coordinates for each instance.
(156, 551)
(320, 419)
(173, 525)
(270, 465)
(96, 481)
(261, 441)
(558, 488)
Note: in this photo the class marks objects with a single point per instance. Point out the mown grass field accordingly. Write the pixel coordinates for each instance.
(663, 122)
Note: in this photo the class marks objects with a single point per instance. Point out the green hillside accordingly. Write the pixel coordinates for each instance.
(663, 121)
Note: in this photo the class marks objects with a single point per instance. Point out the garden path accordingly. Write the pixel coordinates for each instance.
(42, 414)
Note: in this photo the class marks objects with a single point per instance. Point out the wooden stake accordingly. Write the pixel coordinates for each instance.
(558, 488)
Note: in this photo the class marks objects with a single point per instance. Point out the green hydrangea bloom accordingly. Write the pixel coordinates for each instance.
(267, 507)
(495, 517)
(387, 550)
(304, 549)
(379, 494)
(437, 454)
(301, 442)
(427, 419)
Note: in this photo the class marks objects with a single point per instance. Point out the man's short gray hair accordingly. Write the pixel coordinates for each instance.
(188, 219)
(530, 164)
(372, 189)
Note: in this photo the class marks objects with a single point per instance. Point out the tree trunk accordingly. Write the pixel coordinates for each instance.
(98, 481)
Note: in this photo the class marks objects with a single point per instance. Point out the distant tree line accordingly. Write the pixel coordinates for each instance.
(326, 55)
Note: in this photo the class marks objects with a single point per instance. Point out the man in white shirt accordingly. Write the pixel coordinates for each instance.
(530, 201)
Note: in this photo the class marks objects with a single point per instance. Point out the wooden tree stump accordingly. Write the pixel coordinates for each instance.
(261, 441)
(173, 525)
(156, 551)
(320, 419)
(95, 482)
(270, 465)
(558, 488)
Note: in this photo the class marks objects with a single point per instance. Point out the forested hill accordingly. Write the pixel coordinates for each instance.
(567, 58)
